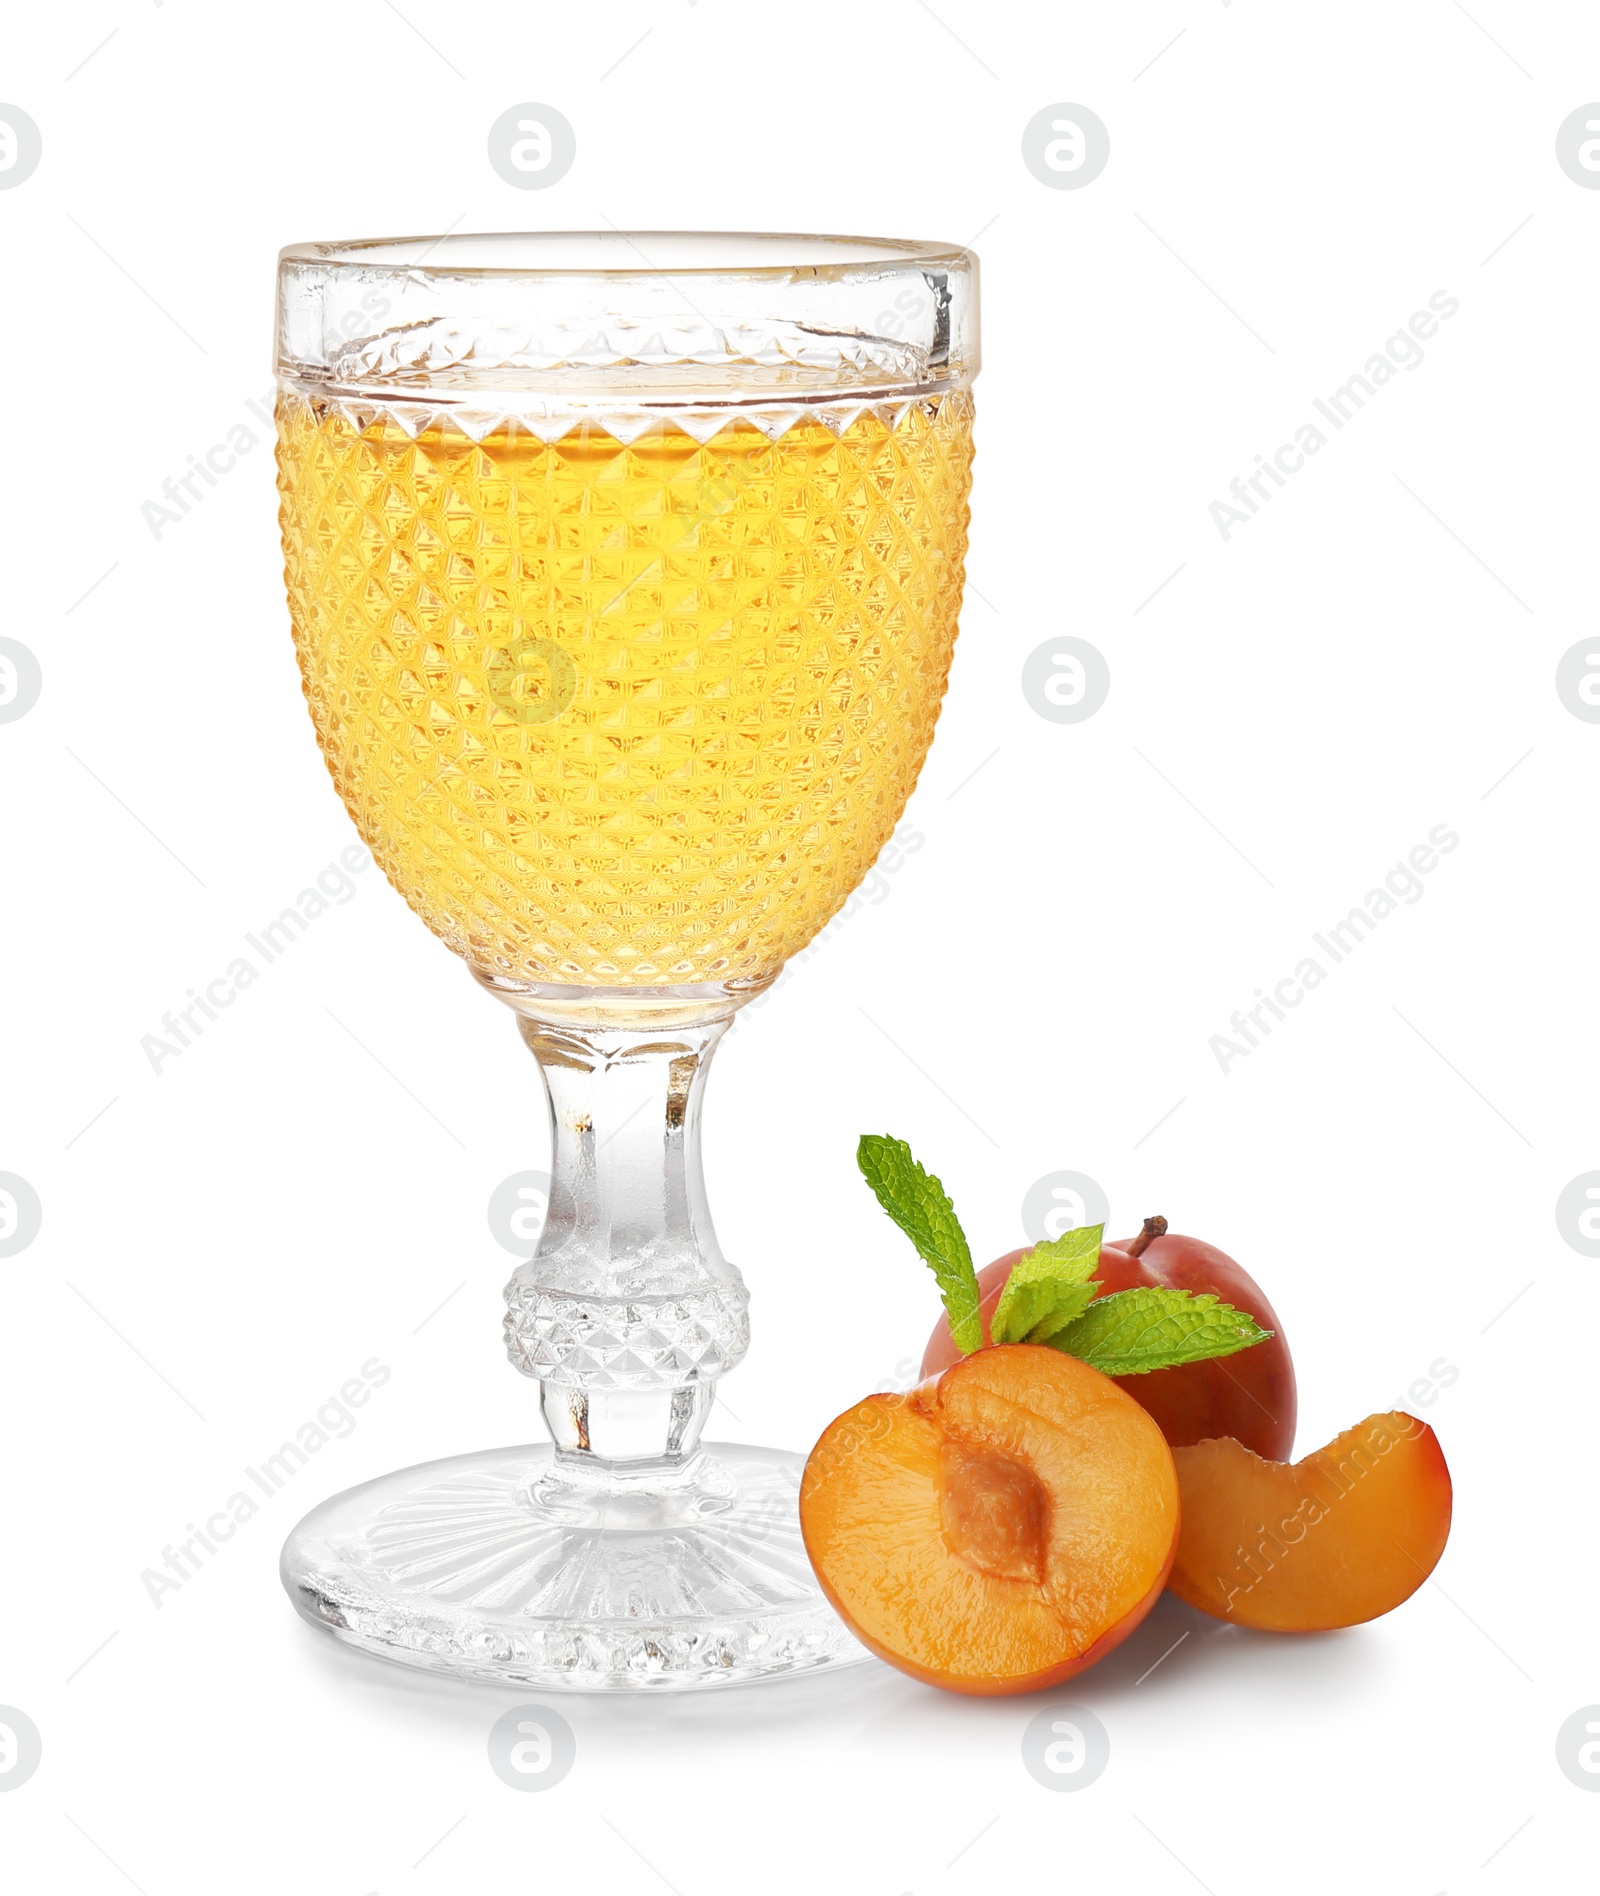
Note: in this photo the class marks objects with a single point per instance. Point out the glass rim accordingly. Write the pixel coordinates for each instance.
(835, 256)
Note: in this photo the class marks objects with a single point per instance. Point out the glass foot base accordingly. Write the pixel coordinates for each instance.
(494, 1566)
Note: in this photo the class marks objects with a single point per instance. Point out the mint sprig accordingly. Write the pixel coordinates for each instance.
(1155, 1327)
(919, 1204)
(1048, 1288)
(1051, 1296)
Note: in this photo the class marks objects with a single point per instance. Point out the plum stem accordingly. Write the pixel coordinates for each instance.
(1153, 1228)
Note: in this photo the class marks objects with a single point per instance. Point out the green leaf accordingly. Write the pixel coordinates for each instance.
(1047, 1288)
(918, 1203)
(1133, 1331)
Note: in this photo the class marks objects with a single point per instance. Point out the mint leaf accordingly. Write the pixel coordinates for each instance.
(918, 1203)
(1047, 1288)
(1132, 1331)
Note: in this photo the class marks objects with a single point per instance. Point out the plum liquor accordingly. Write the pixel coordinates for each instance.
(625, 713)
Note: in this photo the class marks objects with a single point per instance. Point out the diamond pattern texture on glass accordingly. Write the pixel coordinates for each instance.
(625, 713)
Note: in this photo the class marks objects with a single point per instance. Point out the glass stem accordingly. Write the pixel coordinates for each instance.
(628, 1312)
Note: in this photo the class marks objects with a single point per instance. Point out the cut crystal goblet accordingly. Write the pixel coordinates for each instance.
(624, 573)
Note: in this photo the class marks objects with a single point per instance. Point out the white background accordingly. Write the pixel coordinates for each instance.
(1292, 711)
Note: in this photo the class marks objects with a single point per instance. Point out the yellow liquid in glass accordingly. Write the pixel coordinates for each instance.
(633, 714)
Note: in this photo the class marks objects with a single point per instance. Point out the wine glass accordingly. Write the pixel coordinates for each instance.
(624, 572)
